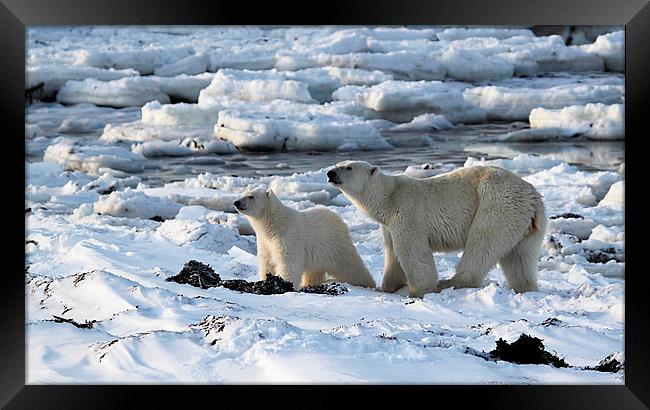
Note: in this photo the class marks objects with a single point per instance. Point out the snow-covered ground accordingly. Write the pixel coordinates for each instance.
(98, 256)
(103, 234)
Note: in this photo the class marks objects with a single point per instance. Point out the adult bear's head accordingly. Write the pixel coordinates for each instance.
(353, 177)
(365, 186)
(254, 203)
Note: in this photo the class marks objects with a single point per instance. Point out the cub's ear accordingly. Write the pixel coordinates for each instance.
(373, 170)
(269, 192)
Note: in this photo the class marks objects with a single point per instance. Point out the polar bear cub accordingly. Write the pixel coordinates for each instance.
(489, 212)
(301, 246)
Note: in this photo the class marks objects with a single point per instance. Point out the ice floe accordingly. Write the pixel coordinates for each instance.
(188, 146)
(53, 77)
(305, 131)
(516, 103)
(401, 101)
(127, 92)
(611, 47)
(93, 158)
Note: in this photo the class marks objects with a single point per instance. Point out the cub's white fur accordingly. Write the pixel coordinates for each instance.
(301, 246)
(490, 212)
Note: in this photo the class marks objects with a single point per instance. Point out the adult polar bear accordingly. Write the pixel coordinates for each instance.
(301, 246)
(490, 212)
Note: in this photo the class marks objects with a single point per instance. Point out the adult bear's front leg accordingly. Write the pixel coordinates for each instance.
(394, 277)
(414, 255)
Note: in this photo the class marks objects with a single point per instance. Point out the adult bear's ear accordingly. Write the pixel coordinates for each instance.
(373, 170)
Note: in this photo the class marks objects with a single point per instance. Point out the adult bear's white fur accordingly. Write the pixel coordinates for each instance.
(490, 212)
(301, 246)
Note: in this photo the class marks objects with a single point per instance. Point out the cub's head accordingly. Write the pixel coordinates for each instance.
(353, 177)
(254, 203)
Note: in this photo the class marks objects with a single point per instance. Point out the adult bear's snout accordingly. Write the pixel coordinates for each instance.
(333, 177)
(237, 204)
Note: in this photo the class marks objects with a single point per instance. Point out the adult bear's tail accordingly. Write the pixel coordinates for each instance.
(538, 223)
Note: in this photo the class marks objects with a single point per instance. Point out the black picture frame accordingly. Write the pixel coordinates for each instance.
(15, 15)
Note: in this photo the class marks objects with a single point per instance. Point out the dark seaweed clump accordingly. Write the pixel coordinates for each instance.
(333, 289)
(602, 255)
(525, 350)
(197, 274)
(567, 215)
(202, 276)
(273, 285)
(608, 364)
(35, 93)
(85, 325)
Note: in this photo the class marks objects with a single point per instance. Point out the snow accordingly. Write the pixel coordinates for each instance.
(611, 47)
(594, 121)
(137, 131)
(615, 196)
(191, 65)
(54, 77)
(399, 64)
(428, 170)
(182, 87)
(520, 163)
(355, 76)
(425, 122)
(188, 146)
(451, 34)
(516, 103)
(154, 113)
(363, 335)
(401, 101)
(92, 159)
(281, 70)
(466, 65)
(126, 92)
(145, 61)
(299, 131)
(135, 204)
(253, 86)
(134, 91)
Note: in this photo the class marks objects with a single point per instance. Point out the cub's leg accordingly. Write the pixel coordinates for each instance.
(415, 256)
(312, 278)
(265, 264)
(290, 267)
(394, 277)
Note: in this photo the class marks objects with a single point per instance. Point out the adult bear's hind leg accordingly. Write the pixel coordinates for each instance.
(394, 276)
(520, 265)
(490, 237)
